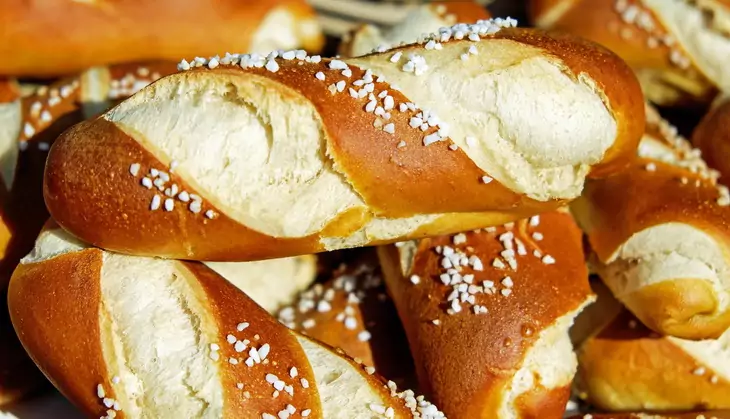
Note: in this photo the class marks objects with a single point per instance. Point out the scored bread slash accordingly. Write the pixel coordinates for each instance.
(454, 304)
(228, 351)
(369, 120)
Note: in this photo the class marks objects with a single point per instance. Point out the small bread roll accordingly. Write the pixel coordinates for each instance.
(155, 338)
(487, 315)
(352, 311)
(678, 48)
(660, 232)
(628, 367)
(304, 154)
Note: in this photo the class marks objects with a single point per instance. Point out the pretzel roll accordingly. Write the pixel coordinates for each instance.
(712, 137)
(295, 162)
(163, 338)
(270, 283)
(351, 311)
(628, 367)
(714, 414)
(88, 34)
(487, 315)
(421, 20)
(679, 48)
(659, 231)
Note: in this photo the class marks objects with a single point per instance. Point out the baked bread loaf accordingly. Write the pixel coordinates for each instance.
(715, 414)
(712, 137)
(88, 34)
(420, 21)
(659, 231)
(164, 338)
(295, 162)
(487, 315)
(352, 311)
(272, 283)
(679, 48)
(628, 367)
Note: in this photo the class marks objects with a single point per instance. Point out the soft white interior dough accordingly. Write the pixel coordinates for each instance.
(159, 340)
(666, 252)
(343, 390)
(712, 353)
(707, 44)
(10, 126)
(550, 363)
(51, 243)
(538, 130)
(270, 283)
(263, 161)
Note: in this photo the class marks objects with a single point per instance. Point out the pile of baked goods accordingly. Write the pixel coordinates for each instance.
(457, 216)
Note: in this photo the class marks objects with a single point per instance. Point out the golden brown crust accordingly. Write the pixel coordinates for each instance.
(602, 22)
(712, 136)
(71, 357)
(542, 403)
(9, 90)
(498, 340)
(628, 367)
(90, 32)
(229, 307)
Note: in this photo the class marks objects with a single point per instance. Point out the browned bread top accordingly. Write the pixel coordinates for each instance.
(91, 33)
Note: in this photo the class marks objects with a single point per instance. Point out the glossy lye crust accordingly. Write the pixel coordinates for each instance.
(118, 208)
(633, 29)
(543, 290)
(652, 193)
(627, 367)
(86, 371)
(89, 32)
(712, 136)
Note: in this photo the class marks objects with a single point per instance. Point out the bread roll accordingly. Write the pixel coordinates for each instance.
(712, 137)
(628, 367)
(679, 48)
(493, 343)
(660, 233)
(161, 338)
(351, 311)
(421, 20)
(278, 191)
(272, 283)
(89, 33)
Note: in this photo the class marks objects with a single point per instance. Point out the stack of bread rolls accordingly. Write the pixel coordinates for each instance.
(304, 154)
(490, 167)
